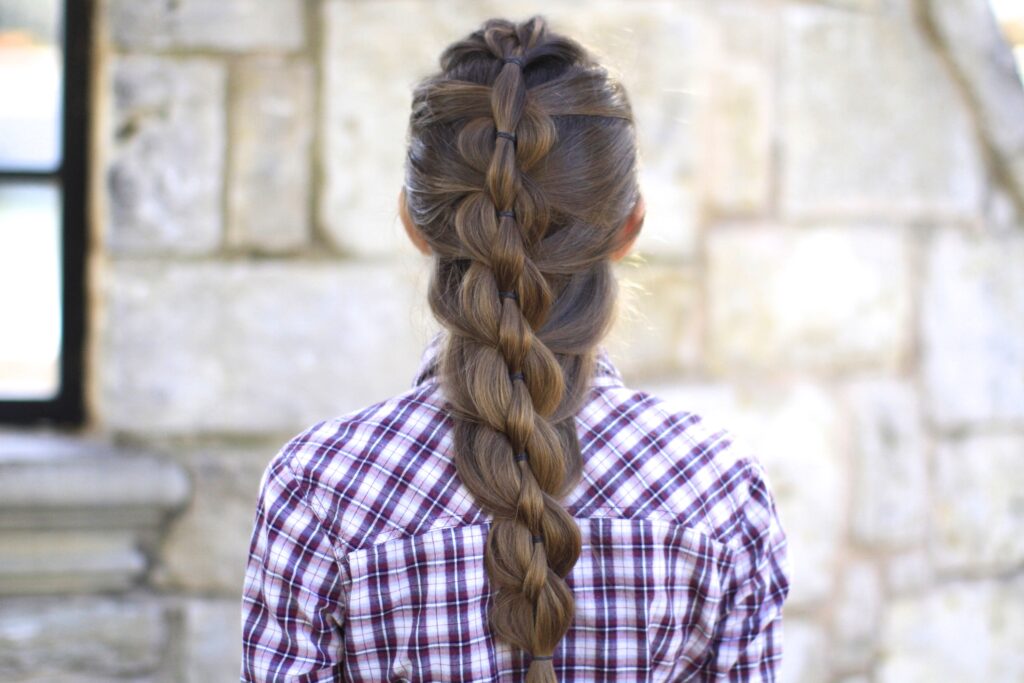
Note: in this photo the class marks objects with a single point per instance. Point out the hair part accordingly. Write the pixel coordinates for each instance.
(521, 168)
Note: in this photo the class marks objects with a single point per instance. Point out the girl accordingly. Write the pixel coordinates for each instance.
(519, 513)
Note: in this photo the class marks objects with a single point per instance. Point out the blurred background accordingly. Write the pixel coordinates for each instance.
(200, 256)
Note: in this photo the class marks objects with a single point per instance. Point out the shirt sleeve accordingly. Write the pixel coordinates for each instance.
(748, 643)
(292, 602)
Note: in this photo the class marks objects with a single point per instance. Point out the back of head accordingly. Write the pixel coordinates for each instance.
(521, 169)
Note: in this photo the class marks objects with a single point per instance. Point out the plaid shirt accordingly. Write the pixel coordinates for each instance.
(366, 560)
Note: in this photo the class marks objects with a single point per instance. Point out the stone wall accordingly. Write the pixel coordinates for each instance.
(832, 266)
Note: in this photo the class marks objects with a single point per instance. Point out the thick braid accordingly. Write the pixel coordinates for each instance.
(526, 293)
(533, 541)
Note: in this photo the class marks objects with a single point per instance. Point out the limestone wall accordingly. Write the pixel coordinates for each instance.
(832, 265)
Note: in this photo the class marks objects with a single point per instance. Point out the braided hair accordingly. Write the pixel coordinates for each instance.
(521, 168)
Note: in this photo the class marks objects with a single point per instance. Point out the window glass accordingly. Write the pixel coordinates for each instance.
(31, 69)
(30, 287)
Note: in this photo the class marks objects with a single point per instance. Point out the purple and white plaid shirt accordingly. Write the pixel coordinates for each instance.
(366, 560)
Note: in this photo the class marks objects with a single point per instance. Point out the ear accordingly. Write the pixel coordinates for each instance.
(630, 230)
(410, 228)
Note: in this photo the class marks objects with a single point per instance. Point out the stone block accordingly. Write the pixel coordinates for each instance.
(206, 548)
(659, 326)
(737, 118)
(972, 329)
(165, 155)
(272, 134)
(71, 638)
(963, 631)
(854, 143)
(978, 503)
(890, 464)
(257, 347)
(211, 642)
(804, 658)
(223, 25)
(826, 298)
(367, 94)
(856, 616)
(797, 430)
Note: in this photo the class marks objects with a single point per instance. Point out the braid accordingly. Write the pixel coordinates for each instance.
(525, 289)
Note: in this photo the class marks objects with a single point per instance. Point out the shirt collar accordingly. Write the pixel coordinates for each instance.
(605, 372)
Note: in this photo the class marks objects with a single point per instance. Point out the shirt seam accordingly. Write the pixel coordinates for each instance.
(308, 497)
(399, 534)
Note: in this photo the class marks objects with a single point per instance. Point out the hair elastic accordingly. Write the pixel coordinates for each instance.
(520, 456)
(518, 61)
(505, 134)
(508, 295)
(538, 539)
(510, 214)
(516, 375)
(543, 656)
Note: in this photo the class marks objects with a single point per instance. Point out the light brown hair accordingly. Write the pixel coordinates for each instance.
(521, 168)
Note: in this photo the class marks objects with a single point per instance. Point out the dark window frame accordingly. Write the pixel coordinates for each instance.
(72, 177)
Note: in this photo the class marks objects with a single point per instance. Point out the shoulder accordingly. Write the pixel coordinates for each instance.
(673, 461)
(384, 430)
(384, 470)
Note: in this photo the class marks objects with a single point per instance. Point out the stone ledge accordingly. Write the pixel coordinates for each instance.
(68, 561)
(77, 514)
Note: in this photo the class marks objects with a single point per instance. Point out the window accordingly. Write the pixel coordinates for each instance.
(44, 70)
